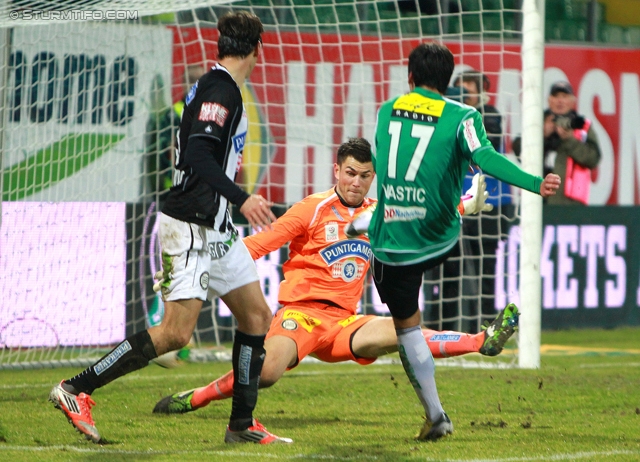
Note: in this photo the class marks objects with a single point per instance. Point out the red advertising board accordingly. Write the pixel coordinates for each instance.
(313, 91)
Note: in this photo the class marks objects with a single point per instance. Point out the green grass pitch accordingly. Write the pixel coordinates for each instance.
(582, 404)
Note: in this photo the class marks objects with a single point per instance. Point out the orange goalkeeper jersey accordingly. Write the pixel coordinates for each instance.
(323, 264)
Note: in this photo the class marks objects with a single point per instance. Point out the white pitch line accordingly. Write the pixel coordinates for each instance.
(545, 457)
(603, 365)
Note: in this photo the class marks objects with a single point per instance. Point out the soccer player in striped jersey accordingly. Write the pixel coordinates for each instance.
(323, 284)
(202, 256)
(424, 144)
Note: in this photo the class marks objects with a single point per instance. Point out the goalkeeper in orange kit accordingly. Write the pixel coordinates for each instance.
(323, 283)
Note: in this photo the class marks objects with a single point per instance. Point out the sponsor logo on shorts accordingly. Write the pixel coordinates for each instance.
(445, 338)
(217, 250)
(331, 232)
(349, 320)
(289, 324)
(305, 321)
(110, 360)
(397, 213)
(204, 280)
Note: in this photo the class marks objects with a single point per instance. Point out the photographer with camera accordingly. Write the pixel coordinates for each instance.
(571, 147)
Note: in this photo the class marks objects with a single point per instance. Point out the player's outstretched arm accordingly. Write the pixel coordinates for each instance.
(549, 185)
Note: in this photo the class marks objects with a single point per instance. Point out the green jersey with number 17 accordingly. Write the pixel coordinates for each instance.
(423, 146)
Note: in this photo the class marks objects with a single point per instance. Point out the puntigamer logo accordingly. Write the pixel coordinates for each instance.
(346, 249)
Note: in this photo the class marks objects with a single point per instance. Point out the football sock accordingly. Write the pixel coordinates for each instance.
(132, 354)
(221, 388)
(418, 364)
(248, 357)
(451, 343)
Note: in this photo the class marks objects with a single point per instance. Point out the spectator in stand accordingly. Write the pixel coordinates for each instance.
(477, 85)
(161, 130)
(570, 146)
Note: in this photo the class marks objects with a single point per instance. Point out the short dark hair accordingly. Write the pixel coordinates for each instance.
(240, 32)
(431, 65)
(358, 148)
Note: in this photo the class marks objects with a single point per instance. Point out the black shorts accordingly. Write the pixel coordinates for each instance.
(399, 286)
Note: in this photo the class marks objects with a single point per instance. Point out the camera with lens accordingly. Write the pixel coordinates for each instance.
(570, 121)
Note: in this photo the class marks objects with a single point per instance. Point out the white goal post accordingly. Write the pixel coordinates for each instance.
(531, 205)
(91, 93)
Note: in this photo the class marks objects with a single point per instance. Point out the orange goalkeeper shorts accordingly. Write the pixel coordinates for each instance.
(320, 330)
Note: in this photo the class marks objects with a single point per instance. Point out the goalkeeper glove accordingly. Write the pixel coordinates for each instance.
(360, 223)
(474, 200)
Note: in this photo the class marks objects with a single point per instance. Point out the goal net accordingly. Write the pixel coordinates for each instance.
(91, 97)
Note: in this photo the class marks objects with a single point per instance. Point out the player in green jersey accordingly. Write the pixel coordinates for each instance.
(424, 144)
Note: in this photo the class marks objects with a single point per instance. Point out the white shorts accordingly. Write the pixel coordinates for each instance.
(200, 262)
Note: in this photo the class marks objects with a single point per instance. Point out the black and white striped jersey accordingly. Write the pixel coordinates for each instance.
(208, 155)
